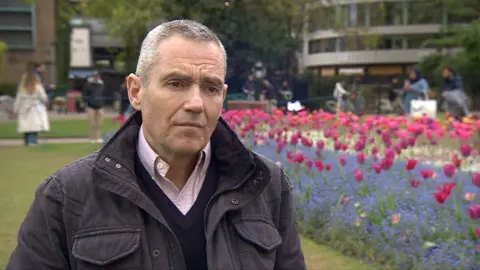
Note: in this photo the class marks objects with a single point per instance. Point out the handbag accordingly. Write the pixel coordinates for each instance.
(423, 107)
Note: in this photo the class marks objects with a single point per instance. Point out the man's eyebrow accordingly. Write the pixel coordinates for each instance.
(176, 74)
(212, 80)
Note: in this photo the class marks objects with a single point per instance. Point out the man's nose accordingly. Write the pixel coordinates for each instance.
(194, 100)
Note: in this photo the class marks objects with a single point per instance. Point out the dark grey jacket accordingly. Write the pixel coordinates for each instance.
(92, 214)
(93, 94)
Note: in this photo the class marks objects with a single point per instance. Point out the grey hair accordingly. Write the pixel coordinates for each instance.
(185, 28)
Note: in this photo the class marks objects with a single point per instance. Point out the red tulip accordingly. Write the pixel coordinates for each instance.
(476, 179)
(298, 158)
(342, 160)
(387, 163)
(474, 211)
(466, 150)
(360, 158)
(441, 197)
(449, 170)
(377, 168)
(309, 164)
(358, 175)
(328, 167)
(456, 161)
(426, 173)
(411, 164)
(414, 182)
(319, 165)
(320, 144)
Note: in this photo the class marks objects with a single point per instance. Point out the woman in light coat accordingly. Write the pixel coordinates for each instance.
(30, 108)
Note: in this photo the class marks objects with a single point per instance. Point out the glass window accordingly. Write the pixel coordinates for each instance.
(17, 39)
(14, 4)
(352, 15)
(321, 45)
(377, 14)
(15, 19)
(391, 43)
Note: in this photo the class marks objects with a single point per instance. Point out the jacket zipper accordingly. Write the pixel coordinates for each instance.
(209, 204)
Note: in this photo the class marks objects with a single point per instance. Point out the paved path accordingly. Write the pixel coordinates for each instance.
(56, 116)
(19, 142)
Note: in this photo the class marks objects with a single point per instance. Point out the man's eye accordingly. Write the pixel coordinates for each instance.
(212, 89)
(175, 83)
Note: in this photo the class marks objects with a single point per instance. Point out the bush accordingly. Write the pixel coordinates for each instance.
(8, 89)
(3, 49)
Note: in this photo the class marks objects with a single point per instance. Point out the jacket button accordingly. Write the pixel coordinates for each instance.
(155, 253)
(107, 159)
(118, 166)
(234, 202)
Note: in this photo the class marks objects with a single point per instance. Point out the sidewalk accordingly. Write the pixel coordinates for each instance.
(109, 113)
(19, 142)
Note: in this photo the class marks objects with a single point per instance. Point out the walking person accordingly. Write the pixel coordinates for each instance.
(30, 108)
(341, 96)
(94, 100)
(175, 188)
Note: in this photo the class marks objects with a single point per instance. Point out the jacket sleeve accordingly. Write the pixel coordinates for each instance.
(41, 242)
(289, 255)
(420, 87)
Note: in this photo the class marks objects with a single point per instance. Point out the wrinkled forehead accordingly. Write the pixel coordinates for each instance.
(190, 56)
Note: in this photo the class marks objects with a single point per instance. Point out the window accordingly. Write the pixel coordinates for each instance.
(352, 15)
(377, 14)
(425, 12)
(17, 24)
(390, 43)
(321, 45)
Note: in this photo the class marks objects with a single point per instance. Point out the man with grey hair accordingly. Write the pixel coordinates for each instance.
(174, 188)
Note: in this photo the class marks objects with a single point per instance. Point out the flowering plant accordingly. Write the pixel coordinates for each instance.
(363, 186)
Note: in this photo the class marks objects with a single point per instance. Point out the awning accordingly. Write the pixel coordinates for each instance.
(80, 73)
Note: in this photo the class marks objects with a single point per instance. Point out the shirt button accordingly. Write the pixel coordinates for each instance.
(234, 202)
(160, 165)
(155, 253)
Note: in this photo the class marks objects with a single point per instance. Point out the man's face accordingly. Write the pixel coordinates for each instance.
(446, 73)
(184, 96)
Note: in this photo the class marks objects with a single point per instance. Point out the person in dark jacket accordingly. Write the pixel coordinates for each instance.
(175, 188)
(456, 101)
(94, 100)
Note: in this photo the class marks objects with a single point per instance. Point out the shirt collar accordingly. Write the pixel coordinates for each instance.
(154, 164)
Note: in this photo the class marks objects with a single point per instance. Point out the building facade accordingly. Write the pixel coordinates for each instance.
(29, 32)
(369, 37)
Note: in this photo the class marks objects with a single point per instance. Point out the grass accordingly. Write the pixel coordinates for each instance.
(18, 185)
(77, 128)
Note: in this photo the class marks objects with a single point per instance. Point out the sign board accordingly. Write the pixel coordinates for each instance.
(349, 71)
(419, 108)
(80, 47)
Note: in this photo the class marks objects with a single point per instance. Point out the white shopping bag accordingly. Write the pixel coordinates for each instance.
(419, 108)
(294, 106)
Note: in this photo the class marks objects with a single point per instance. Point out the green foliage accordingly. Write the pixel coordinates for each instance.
(8, 89)
(3, 49)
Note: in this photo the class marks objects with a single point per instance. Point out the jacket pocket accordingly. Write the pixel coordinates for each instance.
(257, 242)
(107, 249)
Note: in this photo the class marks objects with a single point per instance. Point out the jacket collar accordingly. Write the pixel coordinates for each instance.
(232, 158)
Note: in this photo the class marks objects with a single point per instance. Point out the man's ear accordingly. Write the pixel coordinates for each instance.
(134, 86)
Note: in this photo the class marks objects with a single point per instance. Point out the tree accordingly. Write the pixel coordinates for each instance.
(3, 50)
(124, 21)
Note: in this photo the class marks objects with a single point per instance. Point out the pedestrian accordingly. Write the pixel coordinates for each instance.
(94, 100)
(175, 188)
(30, 108)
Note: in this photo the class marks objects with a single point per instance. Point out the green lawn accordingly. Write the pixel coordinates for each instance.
(36, 163)
(58, 129)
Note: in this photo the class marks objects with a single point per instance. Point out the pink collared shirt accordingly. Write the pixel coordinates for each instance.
(157, 168)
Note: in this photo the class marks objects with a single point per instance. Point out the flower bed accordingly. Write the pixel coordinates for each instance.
(367, 195)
